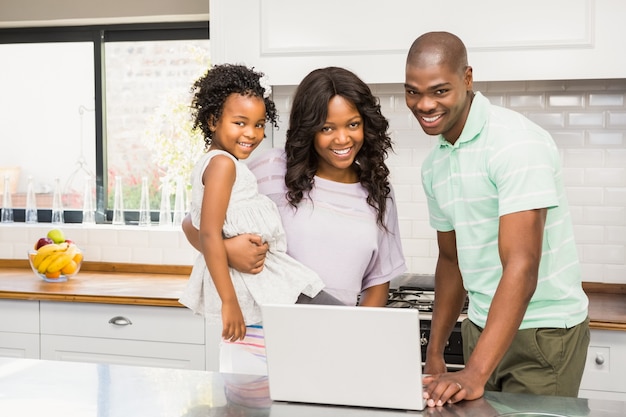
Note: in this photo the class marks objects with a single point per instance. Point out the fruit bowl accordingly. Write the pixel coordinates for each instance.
(56, 262)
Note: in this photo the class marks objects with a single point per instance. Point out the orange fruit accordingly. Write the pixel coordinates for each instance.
(53, 275)
(78, 257)
(70, 268)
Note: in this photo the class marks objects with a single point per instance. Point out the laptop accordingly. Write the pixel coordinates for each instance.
(342, 355)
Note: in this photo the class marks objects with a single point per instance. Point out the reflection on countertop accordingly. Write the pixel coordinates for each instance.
(30, 387)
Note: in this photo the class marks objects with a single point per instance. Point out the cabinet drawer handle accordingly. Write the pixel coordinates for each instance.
(120, 321)
(599, 359)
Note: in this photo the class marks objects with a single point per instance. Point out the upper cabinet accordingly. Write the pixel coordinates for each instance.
(520, 40)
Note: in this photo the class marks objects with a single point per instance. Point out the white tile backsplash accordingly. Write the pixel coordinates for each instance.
(607, 216)
(590, 234)
(584, 196)
(105, 243)
(605, 177)
(565, 100)
(599, 138)
(586, 117)
(583, 158)
(604, 254)
(568, 139)
(592, 120)
(548, 120)
(617, 119)
(616, 234)
(522, 101)
(615, 196)
(606, 100)
(612, 273)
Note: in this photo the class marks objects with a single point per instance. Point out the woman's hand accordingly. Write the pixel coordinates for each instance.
(246, 253)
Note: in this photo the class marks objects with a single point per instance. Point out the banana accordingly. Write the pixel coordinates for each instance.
(72, 250)
(43, 266)
(43, 252)
(59, 262)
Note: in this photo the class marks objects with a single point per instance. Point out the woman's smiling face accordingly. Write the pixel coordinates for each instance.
(339, 141)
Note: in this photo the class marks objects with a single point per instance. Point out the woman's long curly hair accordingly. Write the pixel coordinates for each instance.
(308, 116)
(211, 91)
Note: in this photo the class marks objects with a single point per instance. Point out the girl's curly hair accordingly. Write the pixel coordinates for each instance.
(211, 91)
(308, 115)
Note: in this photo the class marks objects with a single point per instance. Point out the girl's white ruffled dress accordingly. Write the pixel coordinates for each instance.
(282, 279)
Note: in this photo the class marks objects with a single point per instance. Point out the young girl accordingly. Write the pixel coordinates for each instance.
(231, 108)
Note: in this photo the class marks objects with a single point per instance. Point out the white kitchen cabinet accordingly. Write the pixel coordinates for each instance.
(519, 40)
(213, 341)
(605, 370)
(123, 334)
(19, 329)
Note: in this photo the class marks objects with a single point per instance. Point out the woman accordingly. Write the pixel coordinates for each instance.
(331, 186)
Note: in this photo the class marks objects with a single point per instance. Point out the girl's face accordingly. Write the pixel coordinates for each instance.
(339, 141)
(241, 128)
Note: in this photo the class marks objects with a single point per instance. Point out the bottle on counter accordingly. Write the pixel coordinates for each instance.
(179, 202)
(7, 204)
(165, 213)
(57, 204)
(89, 212)
(118, 202)
(144, 204)
(31, 202)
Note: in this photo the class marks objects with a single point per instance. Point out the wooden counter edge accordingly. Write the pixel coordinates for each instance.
(96, 299)
(604, 288)
(603, 325)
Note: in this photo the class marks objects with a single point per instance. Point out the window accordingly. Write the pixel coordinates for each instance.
(84, 105)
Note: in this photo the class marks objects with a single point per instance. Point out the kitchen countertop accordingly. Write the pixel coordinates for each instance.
(32, 387)
(158, 285)
(98, 283)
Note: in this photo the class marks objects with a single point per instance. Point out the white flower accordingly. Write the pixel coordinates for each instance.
(267, 88)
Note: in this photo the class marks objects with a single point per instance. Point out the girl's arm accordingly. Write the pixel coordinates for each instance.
(218, 178)
(245, 252)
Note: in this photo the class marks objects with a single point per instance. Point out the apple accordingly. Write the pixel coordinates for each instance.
(56, 235)
(43, 242)
(69, 241)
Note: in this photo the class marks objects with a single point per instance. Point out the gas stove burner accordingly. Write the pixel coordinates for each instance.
(414, 297)
(411, 297)
(410, 304)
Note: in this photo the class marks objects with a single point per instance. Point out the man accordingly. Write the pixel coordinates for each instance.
(496, 198)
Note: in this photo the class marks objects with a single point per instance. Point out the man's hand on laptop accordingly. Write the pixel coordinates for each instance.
(450, 387)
